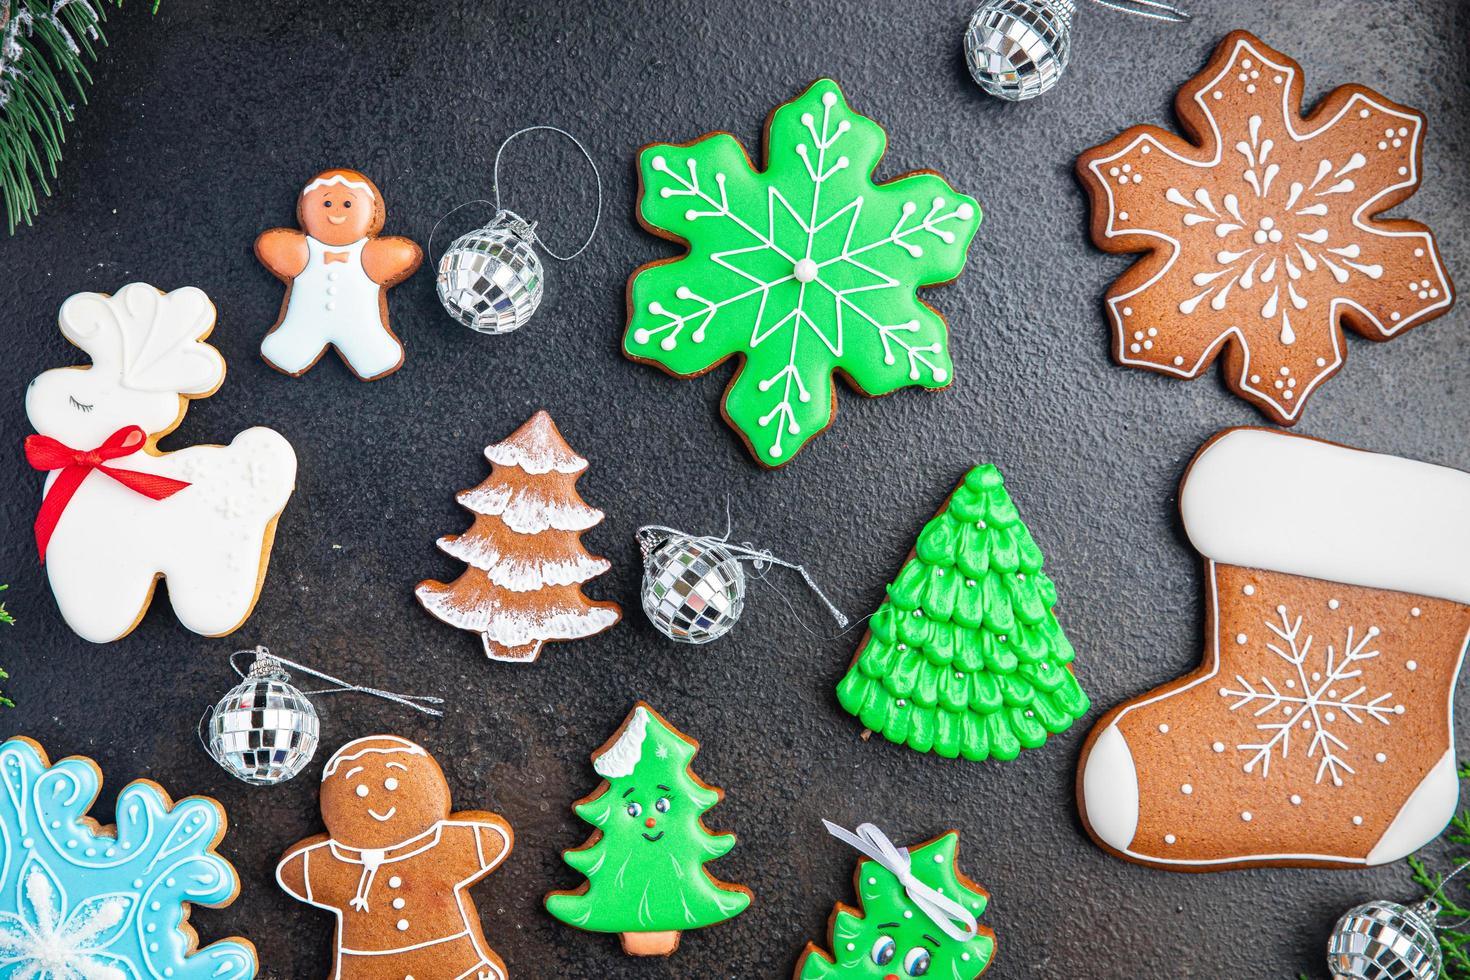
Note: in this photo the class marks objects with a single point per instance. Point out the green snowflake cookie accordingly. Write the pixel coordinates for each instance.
(803, 269)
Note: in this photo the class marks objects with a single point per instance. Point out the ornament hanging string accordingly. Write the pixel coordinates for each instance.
(528, 228)
(958, 922)
(1151, 9)
(649, 539)
(1430, 902)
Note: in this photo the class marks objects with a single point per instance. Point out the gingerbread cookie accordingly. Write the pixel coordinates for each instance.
(527, 564)
(1262, 229)
(965, 657)
(80, 901)
(1317, 731)
(645, 861)
(117, 514)
(337, 271)
(395, 866)
(801, 270)
(919, 915)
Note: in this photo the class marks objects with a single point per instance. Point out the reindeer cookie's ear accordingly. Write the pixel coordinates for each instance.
(153, 340)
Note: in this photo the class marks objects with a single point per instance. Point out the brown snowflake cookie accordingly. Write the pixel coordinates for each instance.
(1262, 231)
(1317, 730)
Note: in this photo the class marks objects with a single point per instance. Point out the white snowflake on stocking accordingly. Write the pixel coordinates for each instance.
(1315, 697)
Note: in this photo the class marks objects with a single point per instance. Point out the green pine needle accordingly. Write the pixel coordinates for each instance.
(8, 620)
(45, 46)
(1453, 943)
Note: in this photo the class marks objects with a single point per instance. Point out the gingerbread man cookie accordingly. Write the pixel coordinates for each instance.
(395, 867)
(337, 271)
(1262, 229)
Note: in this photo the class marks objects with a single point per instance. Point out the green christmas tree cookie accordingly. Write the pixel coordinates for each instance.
(800, 270)
(645, 862)
(927, 928)
(965, 657)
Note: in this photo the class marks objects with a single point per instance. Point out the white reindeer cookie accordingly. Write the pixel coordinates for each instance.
(117, 514)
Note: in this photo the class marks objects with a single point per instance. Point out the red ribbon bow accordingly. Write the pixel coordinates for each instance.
(46, 453)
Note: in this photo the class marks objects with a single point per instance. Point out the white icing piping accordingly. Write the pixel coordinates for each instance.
(396, 746)
(338, 179)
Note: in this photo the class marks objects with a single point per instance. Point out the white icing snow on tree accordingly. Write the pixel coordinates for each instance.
(524, 551)
(1313, 698)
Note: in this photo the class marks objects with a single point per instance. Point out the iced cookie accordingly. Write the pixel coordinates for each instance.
(798, 271)
(80, 901)
(1317, 730)
(395, 866)
(1262, 229)
(337, 270)
(644, 863)
(117, 514)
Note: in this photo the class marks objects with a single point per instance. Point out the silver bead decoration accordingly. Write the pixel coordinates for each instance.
(1018, 49)
(264, 731)
(693, 588)
(491, 279)
(1386, 941)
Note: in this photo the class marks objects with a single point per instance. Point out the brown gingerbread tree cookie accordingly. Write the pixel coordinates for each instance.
(395, 866)
(523, 586)
(1317, 729)
(1263, 229)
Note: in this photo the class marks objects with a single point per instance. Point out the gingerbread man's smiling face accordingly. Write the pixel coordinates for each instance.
(338, 207)
(382, 791)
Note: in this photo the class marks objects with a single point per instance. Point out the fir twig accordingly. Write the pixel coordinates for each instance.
(45, 46)
(1453, 943)
(8, 620)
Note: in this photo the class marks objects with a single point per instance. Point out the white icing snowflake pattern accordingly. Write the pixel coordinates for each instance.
(48, 941)
(1315, 697)
(1263, 232)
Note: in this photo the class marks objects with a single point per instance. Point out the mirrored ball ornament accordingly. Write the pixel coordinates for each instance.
(693, 589)
(1018, 49)
(264, 731)
(491, 279)
(1386, 941)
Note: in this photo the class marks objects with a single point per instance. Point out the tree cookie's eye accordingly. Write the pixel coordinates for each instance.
(347, 204)
(916, 962)
(326, 204)
(634, 809)
(883, 950)
(662, 806)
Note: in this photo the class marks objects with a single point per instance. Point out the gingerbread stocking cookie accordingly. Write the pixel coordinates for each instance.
(1318, 730)
(1262, 229)
(117, 514)
(395, 867)
(337, 271)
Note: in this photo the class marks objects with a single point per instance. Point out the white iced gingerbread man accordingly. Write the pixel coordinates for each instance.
(337, 271)
(117, 514)
(395, 867)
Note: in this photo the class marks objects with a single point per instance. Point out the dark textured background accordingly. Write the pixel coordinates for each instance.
(204, 122)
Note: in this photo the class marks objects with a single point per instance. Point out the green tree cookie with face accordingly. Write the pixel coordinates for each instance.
(895, 936)
(801, 270)
(645, 864)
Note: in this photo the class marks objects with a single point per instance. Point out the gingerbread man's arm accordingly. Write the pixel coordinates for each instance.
(389, 261)
(477, 840)
(283, 251)
(293, 873)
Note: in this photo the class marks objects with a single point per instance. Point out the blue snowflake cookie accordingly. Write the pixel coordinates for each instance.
(82, 902)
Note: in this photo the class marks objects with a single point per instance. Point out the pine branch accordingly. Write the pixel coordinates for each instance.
(45, 47)
(1454, 944)
(8, 620)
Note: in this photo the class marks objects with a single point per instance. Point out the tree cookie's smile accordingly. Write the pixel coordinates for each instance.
(337, 219)
(383, 817)
(655, 837)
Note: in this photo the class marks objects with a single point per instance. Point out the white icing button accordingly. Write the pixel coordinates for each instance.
(333, 276)
(805, 270)
(331, 304)
(331, 290)
(1414, 612)
(1240, 638)
(399, 903)
(1164, 729)
(1357, 821)
(1246, 816)
(1412, 665)
(1218, 746)
(1186, 789)
(1380, 757)
(851, 947)
(1169, 838)
(1296, 800)
(402, 925)
(908, 913)
(939, 859)
(1333, 603)
(395, 882)
(1249, 590)
(872, 881)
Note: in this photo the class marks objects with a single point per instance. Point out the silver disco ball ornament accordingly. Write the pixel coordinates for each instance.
(491, 279)
(264, 731)
(693, 588)
(1018, 49)
(1386, 941)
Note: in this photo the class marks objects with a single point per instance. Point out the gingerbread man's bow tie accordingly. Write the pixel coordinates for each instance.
(329, 257)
